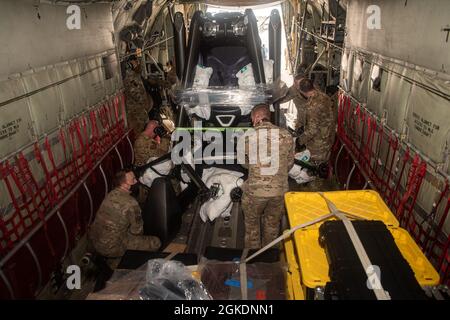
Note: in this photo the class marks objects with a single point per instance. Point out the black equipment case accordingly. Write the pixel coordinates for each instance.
(349, 280)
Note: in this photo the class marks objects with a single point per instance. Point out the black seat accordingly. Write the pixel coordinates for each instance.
(226, 62)
(162, 211)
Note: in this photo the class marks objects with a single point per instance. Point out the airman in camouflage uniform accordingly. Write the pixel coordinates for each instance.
(293, 93)
(118, 225)
(263, 193)
(320, 123)
(138, 102)
(299, 102)
(148, 145)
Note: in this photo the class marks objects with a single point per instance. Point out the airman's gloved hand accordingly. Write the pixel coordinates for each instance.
(299, 147)
(300, 131)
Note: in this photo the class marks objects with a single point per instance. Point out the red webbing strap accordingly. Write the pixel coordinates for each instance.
(384, 184)
(51, 191)
(74, 149)
(394, 145)
(409, 186)
(385, 164)
(346, 120)
(83, 152)
(409, 218)
(116, 108)
(430, 242)
(374, 151)
(368, 152)
(347, 128)
(113, 128)
(352, 129)
(340, 118)
(444, 262)
(348, 112)
(378, 149)
(87, 148)
(26, 189)
(124, 111)
(119, 121)
(119, 111)
(96, 145)
(431, 216)
(60, 180)
(415, 181)
(106, 127)
(5, 243)
(361, 128)
(395, 193)
(70, 165)
(6, 171)
(444, 215)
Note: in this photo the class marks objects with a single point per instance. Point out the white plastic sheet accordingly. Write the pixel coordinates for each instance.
(150, 175)
(221, 205)
(203, 112)
(246, 77)
(375, 98)
(347, 68)
(202, 76)
(360, 82)
(299, 174)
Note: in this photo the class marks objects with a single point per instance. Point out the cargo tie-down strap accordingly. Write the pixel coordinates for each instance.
(243, 274)
(380, 293)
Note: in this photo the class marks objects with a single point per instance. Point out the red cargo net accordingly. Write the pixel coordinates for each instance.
(83, 144)
(31, 202)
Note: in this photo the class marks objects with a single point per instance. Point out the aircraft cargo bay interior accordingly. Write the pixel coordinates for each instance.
(225, 150)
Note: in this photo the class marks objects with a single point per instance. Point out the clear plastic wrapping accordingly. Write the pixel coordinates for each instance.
(159, 279)
(225, 96)
(265, 281)
(171, 280)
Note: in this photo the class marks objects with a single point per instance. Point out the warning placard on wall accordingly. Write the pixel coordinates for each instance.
(15, 122)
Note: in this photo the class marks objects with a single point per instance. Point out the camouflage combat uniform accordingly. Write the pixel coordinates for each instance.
(145, 148)
(263, 194)
(320, 127)
(299, 102)
(118, 226)
(138, 102)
